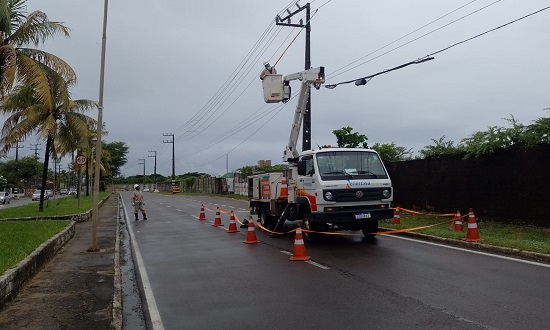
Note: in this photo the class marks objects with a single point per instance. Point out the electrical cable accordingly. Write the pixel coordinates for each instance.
(335, 72)
(361, 81)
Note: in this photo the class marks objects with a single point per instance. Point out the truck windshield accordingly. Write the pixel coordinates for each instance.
(344, 165)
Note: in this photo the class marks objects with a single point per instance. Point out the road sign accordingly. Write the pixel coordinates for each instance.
(81, 160)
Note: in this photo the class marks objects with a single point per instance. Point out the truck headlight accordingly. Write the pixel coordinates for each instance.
(386, 193)
(328, 196)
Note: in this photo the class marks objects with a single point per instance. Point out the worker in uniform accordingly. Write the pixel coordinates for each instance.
(268, 69)
(138, 203)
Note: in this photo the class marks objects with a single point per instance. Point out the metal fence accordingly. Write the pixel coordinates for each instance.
(509, 185)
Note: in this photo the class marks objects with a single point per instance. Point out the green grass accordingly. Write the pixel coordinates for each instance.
(53, 207)
(527, 238)
(18, 239)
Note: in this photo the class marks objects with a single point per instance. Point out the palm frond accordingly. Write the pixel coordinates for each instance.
(36, 29)
(31, 73)
(8, 68)
(51, 61)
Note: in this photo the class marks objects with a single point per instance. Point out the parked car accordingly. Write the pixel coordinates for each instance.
(63, 191)
(5, 197)
(49, 193)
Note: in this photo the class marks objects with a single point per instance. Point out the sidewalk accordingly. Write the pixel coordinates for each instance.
(75, 289)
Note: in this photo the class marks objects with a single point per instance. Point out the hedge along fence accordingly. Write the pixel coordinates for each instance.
(509, 184)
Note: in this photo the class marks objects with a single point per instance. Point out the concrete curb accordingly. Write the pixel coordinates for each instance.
(13, 279)
(527, 255)
(117, 295)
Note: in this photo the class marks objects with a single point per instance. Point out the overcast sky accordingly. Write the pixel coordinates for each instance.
(191, 68)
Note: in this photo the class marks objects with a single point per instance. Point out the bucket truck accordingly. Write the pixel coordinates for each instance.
(329, 189)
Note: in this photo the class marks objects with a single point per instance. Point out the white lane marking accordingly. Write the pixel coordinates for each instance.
(154, 314)
(179, 210)
(472, 251)
(313, 263)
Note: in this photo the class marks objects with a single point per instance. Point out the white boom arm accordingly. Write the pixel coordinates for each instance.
(312, 77)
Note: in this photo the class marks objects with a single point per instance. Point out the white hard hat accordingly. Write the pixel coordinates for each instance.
(136, 186)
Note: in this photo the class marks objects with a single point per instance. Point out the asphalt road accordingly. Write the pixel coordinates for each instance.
(197, 276)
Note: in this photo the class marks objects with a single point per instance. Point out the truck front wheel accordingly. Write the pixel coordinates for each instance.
(310, 237)
(371, 229)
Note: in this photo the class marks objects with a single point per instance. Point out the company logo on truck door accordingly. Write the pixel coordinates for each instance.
(357, 184)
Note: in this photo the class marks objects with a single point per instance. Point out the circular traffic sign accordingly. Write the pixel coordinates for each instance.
(81, 160)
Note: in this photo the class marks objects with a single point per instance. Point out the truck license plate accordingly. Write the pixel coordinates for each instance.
(362, 215)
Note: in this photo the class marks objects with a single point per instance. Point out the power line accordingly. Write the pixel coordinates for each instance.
(364, 80)
(335, 72)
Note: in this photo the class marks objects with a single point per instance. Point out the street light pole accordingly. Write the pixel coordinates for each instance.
(95, 215)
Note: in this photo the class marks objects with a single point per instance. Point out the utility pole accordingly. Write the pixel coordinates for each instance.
(55, 166)
(35, 149)
(142, 162)
(155, 169)
(306, 132)
(173, 158)
(17, 146)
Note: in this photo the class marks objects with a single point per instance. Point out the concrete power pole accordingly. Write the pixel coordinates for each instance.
(142, 162)
(155, 169)
(306, 132)
(173, 158)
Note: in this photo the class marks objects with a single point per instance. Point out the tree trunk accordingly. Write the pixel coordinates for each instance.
(45, 173)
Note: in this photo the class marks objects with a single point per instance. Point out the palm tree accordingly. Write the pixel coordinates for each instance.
(23, 65)
(63, 125)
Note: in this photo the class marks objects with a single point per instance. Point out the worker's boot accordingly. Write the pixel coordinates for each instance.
(144, 216)
(137, 218)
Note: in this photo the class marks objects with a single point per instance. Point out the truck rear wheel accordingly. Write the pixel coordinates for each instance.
(266, 219)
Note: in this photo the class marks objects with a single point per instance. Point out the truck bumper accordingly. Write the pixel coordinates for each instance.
(348, 219)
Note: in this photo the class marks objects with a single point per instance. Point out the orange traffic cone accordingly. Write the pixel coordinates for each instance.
(396, 217)
(458, 222)
(251, 234)
(232, 224)
(217, 219)
(202, 216)
(472, 235)
(299, 252)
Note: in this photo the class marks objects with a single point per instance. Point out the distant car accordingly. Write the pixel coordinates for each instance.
(72, 192)
(5, 197)
(63, 191)
(146, 189)
(36, 195)
(49, 193)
